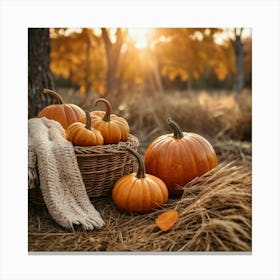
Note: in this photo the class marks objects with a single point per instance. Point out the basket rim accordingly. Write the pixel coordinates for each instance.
(108, 149)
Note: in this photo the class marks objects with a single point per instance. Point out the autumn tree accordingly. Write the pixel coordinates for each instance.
(247, 46)
(88, 58)
(188, 53)
(239, 59)
(78, 55)
(113, 51)
(39, 74)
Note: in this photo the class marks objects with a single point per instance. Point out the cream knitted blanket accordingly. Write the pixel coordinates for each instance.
(61, 182)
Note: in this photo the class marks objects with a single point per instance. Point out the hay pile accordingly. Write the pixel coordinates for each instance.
(234, 150)
(215, 214)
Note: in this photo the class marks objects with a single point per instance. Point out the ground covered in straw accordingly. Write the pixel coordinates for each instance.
(215, 214)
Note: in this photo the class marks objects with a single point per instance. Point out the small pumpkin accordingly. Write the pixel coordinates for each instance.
(84, 135)
(113, 128)
(139, 192)
(179, 157)
(65, 114)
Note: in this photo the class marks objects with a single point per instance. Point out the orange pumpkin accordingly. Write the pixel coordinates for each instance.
(82, 135)
(139, 192)
(65, 114)
(178, 158)
(113, 128)
(99, 114)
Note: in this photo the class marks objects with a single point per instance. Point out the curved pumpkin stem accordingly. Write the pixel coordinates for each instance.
(88, 120)
(106, 118)
(178, 133)
(55, 95)
(141, 165)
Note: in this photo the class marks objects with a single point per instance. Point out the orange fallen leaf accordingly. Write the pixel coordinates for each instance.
(166, 220)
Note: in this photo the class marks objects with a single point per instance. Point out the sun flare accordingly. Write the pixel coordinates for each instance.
(139, 36)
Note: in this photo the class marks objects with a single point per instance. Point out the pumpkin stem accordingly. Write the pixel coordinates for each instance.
(106, 118)
(88, 120)
(141, 165)
(178, 133)
(55, 95)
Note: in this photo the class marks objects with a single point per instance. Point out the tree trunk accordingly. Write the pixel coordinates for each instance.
(87, 72)
(239, 60)
(113, 54)
(39, 74)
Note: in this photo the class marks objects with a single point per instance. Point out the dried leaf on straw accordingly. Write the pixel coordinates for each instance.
(166, 220)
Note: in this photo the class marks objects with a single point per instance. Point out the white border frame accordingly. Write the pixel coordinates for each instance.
(261, 16)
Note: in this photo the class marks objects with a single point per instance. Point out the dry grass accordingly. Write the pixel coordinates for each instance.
(215, 210)
(220, 115)
(234, 150)
(214, 215)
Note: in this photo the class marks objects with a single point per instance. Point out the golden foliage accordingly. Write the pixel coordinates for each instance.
(79, 56)
(185, 53)
(191, 52)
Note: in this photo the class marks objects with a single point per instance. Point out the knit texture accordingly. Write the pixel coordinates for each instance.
(61, 182)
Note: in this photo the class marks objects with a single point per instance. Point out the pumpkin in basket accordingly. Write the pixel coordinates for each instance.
(139, 192)
(65, 114)
(84, 135)
(179, 157)
(112, 127)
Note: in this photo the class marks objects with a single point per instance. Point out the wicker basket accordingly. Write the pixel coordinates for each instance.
(100, 166)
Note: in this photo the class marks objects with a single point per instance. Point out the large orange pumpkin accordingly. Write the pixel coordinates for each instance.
(84, 135)
(113, 128)
(179, 157)
(139, 192)
(65, 114)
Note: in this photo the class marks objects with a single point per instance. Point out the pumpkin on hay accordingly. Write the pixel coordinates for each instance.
(84, 135)
(112, 127)
(63, 113)
(179, 157)
(139, 192)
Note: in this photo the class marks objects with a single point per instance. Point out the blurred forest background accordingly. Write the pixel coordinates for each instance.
(201, 77)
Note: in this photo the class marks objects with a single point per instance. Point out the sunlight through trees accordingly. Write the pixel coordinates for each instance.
(110, 60)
